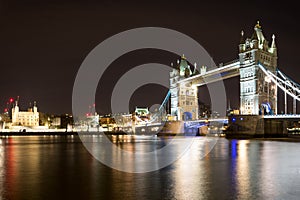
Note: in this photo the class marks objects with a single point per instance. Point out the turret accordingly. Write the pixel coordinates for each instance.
(252, 81)
(34, 107)
(195, 69)
(273, 48)
(184, 68)
(15, 113)
(242, 46)
(255, 39)
(203, 69)
(16, 108)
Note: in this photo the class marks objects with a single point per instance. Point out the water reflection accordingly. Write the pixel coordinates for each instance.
(61, 168)
(192, 172)
(138, 154)
(265, 169)
(242, 174)
(245, 168)
(2, 168)
(280, 174)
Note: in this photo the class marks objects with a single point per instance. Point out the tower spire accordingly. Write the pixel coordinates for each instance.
(273, 48)
(195, 68)
(257, 25)
(242, 41)
(273, 45)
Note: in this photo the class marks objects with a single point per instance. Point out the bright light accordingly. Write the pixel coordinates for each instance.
(242, 109)
(268, 79)
(11, 100)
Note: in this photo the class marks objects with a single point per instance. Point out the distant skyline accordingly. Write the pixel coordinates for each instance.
(43, 43)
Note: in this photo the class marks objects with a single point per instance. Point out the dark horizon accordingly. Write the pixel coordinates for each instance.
(43, 43)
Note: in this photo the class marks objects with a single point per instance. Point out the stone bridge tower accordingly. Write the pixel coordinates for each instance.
(184, 97)
(257, 92)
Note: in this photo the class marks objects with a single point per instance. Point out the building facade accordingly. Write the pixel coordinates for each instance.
(184, 97)
(28, 118)
(258, 95)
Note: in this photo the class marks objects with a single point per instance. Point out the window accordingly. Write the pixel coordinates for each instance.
(248, 73)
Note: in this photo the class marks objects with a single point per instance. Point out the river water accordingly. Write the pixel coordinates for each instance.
(60, 167)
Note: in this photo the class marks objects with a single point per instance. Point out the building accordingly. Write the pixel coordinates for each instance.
(28, 118)
(184, 101)
(258, 95)
(141, 111)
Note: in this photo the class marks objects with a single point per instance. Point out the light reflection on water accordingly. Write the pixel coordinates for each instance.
(60, 167)
(2, 169)
(140, 154)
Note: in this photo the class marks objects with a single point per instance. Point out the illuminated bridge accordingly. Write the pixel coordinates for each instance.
(259, 77)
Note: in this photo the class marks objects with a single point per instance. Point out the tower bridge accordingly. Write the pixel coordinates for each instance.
(259, 78)
(256, 67)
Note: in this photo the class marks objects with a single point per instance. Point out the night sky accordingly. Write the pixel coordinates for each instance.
(43, 43)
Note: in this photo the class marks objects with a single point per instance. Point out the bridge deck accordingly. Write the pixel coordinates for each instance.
(221, 73)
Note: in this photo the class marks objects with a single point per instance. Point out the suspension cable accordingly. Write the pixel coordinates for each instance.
(291, 89)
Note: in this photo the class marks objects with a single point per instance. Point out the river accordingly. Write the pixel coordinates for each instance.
(60, 167)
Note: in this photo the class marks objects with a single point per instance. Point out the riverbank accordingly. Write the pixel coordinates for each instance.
(286, 139)
(36, 133)
(289, 138)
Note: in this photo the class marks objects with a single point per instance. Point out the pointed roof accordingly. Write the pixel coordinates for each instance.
(258, 26)
(254, 36)
(242, 41)
(258, 35)
(195, 69)
(273, 45)
(273, 48)
(183, 62)
(183, 66)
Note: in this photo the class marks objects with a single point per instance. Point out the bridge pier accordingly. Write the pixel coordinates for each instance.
(260, 126)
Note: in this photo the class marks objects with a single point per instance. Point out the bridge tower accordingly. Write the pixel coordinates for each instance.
(257, 92)
(184, 97)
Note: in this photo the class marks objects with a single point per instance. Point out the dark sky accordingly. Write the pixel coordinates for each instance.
(43, 42)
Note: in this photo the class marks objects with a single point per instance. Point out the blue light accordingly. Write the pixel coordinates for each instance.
(233, 148)
(233, 119)
(242, 119)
